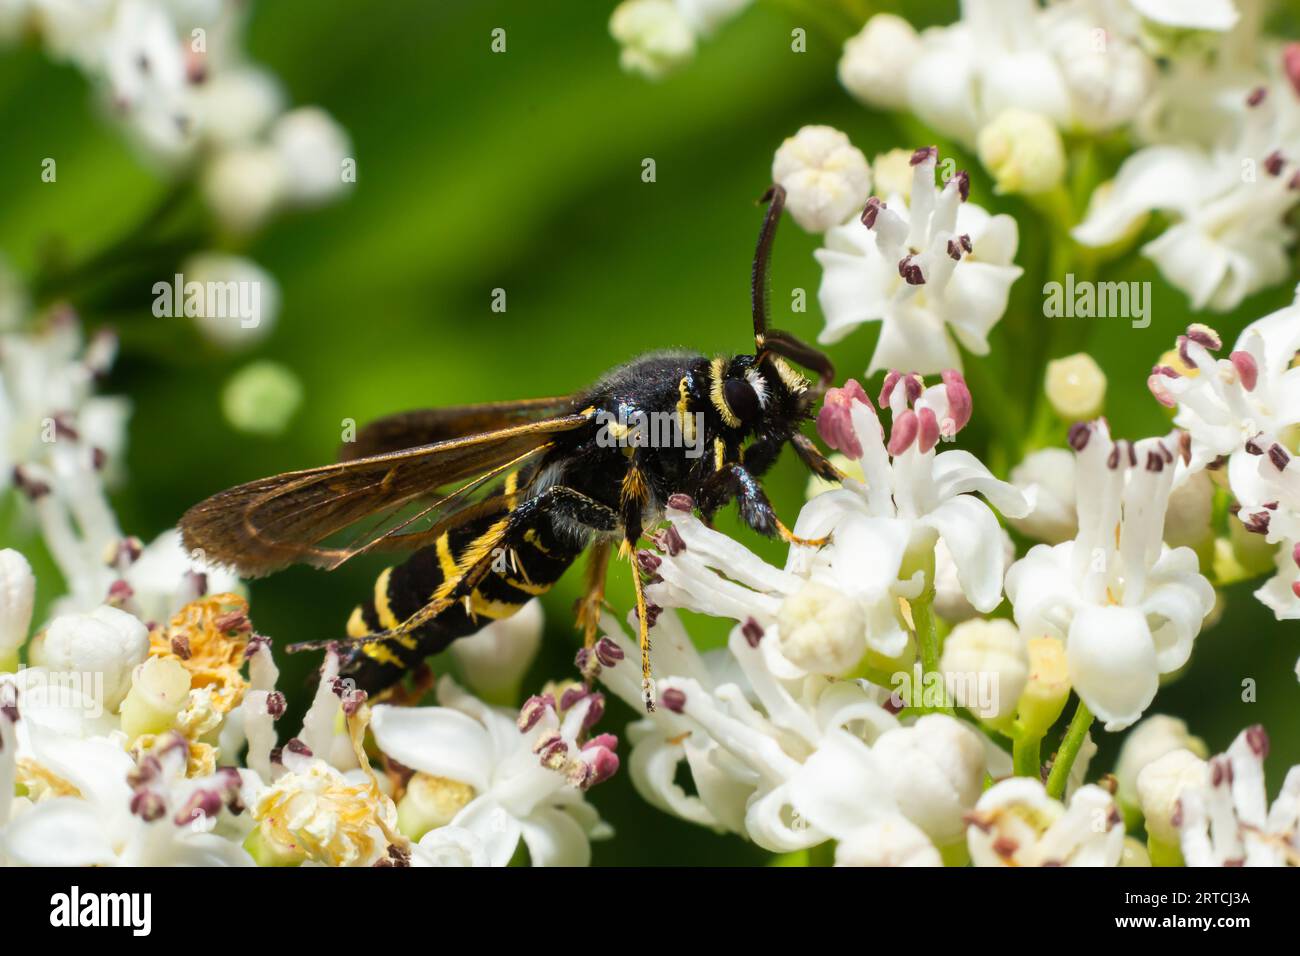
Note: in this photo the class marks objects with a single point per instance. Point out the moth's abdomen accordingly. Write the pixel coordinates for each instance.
(517, 575)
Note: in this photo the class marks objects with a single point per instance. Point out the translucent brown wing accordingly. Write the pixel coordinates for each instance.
(428, 426)
(262, 526)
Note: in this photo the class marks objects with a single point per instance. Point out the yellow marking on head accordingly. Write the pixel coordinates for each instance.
(792, 380)
(357, 623)
(684, 416)
(379, 651)
(719, 454)
(387, 619)
(718, 376)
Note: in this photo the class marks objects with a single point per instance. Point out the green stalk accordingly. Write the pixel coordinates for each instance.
(1070, 745)
(1026, 755)
(927, 640)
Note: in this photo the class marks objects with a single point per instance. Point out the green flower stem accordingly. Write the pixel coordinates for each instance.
(1070, 745)
(927, 640)
(1026, 755)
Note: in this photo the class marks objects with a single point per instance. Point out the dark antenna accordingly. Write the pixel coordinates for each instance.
(758, 283)
(773, 340)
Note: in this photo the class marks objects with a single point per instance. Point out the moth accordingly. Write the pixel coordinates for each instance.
(495, 501)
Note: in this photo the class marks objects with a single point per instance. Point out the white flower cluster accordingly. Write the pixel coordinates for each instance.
(174, 74)
(657, 36)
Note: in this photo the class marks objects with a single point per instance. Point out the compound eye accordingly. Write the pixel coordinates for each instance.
(741, 399)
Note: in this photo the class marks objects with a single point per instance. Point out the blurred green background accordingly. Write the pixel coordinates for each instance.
(522, 171)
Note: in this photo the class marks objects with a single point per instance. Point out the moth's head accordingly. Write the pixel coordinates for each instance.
(758, 393)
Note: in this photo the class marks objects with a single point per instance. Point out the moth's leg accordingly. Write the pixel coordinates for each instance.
(633, 496)
(587, 608)
(755, 508)
(814, 460)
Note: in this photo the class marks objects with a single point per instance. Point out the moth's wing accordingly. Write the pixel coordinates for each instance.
(265, 525)
(428, 426)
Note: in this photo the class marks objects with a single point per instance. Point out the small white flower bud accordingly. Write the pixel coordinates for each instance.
(251, 302)
(936, 771)
(876, 62)
(106, 641)
(1160, 784)
(826, 178)
(312, 148)
(495, 659)
(1047, 479)
(17, 592)
(1151, 739)
(244, 185)
(1023, 152)
(654, 35)
(1075, 386)
(889, 841)
(993, 653)
(821, 630)
(159, 688)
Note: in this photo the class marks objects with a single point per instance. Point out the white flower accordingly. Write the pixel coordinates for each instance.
(826, 178)
(1127, 607)
(1015, 823)
(165, 577)
(1226, 821)
(919, 267)
(747, 726)
(1235, 407)
(1146, 743)
(240, 280)
(107, 642)
(17, 592)
(655, 36)
(236, 106)
(1229, 205)
(495, 659)
(1023, 151)
(1046, 477)
(91, 804)
(518, 791)
(876, 62)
